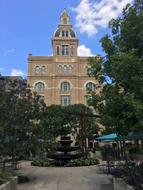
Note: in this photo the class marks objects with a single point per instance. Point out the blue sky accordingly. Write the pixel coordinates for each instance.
(27, 26)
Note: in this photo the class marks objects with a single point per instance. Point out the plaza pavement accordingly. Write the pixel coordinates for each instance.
(64, 178)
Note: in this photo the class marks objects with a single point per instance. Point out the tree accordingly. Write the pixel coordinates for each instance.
(61, 121)
(121, 102)
(20, 112)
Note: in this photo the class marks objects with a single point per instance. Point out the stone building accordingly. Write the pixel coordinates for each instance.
(61, 78)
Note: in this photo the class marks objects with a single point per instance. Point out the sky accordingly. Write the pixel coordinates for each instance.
(27, 26)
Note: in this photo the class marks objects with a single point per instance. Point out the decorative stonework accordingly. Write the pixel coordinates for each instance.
(40, 69)
(63, 66)
(65, 69)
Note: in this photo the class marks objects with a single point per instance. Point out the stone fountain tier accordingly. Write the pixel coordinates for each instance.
(64, 157)
(70, 149)
(65, 142)
(61, 153)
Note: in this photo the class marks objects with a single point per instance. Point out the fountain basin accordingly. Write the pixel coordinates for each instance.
(64, 156)
(65, 149)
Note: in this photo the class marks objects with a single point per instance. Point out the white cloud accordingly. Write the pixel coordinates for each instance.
(92, 15)
(17, 72)
(84, 51)
(9, 51)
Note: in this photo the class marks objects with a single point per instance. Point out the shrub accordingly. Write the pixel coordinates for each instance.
(135, 150)
(83, 162)
(41, 163)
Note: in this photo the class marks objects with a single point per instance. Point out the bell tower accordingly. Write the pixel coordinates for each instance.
(64, 18)
(65, 41)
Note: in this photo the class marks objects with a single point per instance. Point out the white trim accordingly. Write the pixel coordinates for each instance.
(87, 83)
(38, 82)
(65, 80)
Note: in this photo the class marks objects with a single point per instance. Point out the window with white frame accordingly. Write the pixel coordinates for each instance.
(65, 50)
(72, 50)
(90, 87)
(43, 69)
(65, 86)
(66, 33)
(37, 69)
(57, 50)
(40, 69)
(60, 68)
(39, 87)
(65, 69)
(65, 100)
(70, 68)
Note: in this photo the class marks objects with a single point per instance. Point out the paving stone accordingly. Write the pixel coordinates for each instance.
(64, 178)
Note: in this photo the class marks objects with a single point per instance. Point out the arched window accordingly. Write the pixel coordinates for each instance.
(72, 50)
(60, 69)
(65, 50)
(66, 69)
(58, 50)
(37, 69)
(43, 69)
(90, 87)
(65, 86)
(70, 68)
(39, 87)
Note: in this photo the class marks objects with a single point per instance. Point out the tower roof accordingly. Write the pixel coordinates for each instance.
(64, 18)
(65, 12)
(64, 29)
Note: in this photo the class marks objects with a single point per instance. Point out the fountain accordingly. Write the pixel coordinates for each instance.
(62, 154)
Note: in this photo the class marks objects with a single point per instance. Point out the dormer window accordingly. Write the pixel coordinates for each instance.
(67, 34)
(72, 50)
(63, 33)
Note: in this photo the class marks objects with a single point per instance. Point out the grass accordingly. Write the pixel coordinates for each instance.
(4, 177)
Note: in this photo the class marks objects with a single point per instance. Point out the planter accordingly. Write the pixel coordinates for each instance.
(119, 184)
(10, 185)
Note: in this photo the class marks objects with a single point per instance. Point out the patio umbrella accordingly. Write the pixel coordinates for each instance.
(109, 137)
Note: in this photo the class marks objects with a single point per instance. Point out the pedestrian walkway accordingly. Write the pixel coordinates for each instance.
(64, 178)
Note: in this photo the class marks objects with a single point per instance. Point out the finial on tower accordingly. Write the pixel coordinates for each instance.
(65, 18)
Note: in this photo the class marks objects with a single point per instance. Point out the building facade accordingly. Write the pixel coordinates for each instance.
(61, 78)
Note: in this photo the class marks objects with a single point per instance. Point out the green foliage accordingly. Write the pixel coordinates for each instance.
(120, 103)
(41, 163)
(135, 150)
(20, 112)
(83, 162)
(4, 177)
(61, 121)
(76, 162)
